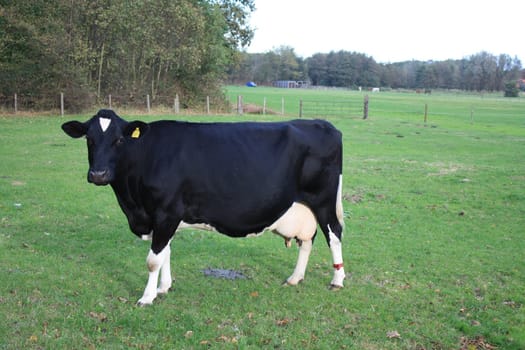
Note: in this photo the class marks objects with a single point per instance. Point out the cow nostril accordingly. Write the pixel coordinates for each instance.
(97, 173)
(99, 177)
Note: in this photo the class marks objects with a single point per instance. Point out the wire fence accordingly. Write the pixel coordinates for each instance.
(313, 108)
(66, 104)
(354, 107)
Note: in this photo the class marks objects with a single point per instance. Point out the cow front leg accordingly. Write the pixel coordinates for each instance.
(304, 254)
(155, 262)
(165, 273)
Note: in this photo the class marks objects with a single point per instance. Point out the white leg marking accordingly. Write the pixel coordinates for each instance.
(304, 253)
(154, 262)
(339, 202)
(337, 256)
(165, 272)
(104, 123)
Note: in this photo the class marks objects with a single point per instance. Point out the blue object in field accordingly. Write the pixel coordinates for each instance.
(251, 84)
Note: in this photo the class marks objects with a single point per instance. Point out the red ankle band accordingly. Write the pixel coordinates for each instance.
(338, 266)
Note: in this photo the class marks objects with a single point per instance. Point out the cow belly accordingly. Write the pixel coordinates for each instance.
(297, 222)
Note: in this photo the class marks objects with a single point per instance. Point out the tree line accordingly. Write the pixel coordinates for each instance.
(482, 71)
(120, 47)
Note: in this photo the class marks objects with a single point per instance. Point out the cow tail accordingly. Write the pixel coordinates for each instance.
(339, 199)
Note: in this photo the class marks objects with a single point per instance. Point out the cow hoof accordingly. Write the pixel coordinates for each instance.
(144, 302)
(290, 282)
(335, 287)
(141, 304)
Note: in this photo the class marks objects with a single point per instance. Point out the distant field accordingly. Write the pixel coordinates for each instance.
(408, 105)
(434, 241)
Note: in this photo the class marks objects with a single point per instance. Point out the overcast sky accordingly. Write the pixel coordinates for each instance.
(391, 30)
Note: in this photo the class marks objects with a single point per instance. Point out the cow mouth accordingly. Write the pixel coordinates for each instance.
(99, 178)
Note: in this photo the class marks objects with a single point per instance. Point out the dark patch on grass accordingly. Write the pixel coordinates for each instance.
(222, 273)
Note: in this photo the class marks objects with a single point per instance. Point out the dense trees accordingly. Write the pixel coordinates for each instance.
(280, 64)
(128, 48)
(479, 72)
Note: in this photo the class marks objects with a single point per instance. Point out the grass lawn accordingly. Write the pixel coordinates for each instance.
(434, 243)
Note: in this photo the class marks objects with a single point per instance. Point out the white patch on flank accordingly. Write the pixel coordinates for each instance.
(201, 226)
(157, 264)
(104, 123)
(339, 202)
(255, 234)
(337, 257)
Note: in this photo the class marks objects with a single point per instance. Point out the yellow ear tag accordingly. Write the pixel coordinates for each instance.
(136, 133)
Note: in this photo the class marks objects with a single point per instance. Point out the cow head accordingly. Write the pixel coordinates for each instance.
(107, 137)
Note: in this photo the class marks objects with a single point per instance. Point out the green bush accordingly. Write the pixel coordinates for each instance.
(511, 89)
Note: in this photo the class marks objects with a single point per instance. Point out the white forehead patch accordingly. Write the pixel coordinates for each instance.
(104, 123)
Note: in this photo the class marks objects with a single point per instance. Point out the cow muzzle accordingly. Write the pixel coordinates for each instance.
(99, 177)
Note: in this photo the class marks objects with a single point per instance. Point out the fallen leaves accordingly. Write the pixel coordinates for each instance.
(393, 335)
(477, 343)
(122, 300)
(282, 322)
(512, 304)
(100, 316)
(226, 339)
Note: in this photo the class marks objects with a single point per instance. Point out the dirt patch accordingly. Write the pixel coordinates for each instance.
(255, 109)
(443, 169)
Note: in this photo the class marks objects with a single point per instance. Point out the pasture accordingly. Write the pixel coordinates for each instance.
(434, 242)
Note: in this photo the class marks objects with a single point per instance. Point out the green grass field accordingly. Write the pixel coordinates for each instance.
(434, 243)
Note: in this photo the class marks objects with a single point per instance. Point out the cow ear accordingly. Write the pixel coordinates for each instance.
(136, 129)
(75, 129)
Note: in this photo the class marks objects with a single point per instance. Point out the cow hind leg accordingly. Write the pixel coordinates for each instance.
(332, 222)
(334, 242)
(302, 261)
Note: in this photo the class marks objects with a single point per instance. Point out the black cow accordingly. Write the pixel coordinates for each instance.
(236, 178)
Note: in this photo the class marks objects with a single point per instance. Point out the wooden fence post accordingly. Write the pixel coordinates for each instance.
(16, 103)
(264, 106)
(147, 103)
(282, 106)
(239, 104)
(426, 113)
(300, 108)
(207, 104)
(365, 108)
(176, 104)
(109, 99)
(62, 104)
